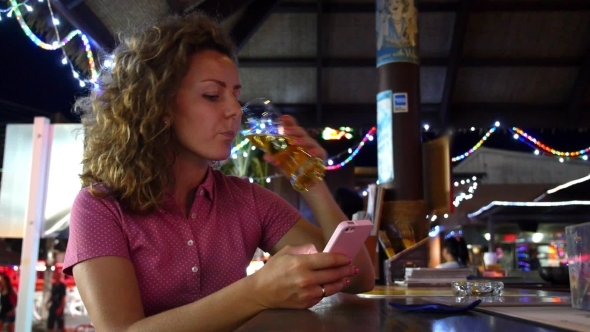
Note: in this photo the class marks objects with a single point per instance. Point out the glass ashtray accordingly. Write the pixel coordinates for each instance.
(476, 288)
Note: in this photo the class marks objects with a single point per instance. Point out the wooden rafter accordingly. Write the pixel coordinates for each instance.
(83, 18)
(457, 42)
(425, 62)
(255, 14)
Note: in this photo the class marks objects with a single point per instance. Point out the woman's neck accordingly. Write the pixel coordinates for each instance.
(187, 175)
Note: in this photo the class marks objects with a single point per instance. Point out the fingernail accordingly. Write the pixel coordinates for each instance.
(346, 281)
(356, 270)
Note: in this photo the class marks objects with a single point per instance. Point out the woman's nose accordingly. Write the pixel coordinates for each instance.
(234, 108)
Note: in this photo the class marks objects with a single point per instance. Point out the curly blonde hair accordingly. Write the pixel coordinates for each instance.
(123, 118)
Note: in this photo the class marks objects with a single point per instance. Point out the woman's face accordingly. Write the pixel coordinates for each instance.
(395, 5)
(207, 115)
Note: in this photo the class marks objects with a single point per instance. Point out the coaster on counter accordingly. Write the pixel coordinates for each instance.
(434, 308)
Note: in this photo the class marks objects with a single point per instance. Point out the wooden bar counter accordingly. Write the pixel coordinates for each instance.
(371, 312)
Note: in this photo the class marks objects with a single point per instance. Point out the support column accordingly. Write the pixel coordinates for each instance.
(399, 79)
(34, 224)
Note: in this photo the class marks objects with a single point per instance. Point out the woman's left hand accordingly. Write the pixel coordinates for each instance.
(299, 137)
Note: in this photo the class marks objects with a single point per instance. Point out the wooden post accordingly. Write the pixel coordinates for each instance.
(34, 224)
(399, 99)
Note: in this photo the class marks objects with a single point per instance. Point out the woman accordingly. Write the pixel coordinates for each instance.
(159, 241)
(7, 303)
(455, 253)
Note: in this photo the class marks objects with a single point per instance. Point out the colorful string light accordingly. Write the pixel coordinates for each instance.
(522, 136)
(368, 137)
(475, 147)
(14, 8)
(237, 148)
(546, 148)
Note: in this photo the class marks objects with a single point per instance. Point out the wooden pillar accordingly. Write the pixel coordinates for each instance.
(399, 99)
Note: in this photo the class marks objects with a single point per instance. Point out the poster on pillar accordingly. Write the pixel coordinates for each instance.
(397, 31)
(385, 136)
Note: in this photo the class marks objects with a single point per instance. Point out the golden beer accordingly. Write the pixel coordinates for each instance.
(303, 169)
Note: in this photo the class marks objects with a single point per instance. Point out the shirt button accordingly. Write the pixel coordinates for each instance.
(202, 192)
(195, 269)
(190, 242)
(194, 216)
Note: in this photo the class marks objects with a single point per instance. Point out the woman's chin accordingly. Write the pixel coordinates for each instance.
(221, 158)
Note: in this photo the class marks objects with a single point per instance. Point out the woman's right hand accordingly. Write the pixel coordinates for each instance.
(294, 276)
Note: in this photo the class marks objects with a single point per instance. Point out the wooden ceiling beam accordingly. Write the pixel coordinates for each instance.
(427, 62)
(319, 56)
(457, 43)
(220, 10)
(432, 6)
(82, 17)
(255, 14)
(580, 89)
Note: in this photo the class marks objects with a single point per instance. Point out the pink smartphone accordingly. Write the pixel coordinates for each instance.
(349, 237)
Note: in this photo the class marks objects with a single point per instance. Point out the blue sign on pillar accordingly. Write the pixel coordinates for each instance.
(400, 102)
(385, 136)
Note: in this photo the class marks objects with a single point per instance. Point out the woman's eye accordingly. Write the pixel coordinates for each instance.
(211, 97)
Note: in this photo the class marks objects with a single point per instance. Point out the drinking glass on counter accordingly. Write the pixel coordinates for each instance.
(265, 130)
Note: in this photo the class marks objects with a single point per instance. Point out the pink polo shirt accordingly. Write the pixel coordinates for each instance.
(179, 260)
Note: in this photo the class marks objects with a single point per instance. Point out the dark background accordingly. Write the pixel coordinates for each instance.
(32, 77)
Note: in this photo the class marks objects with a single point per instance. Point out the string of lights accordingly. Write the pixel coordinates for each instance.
(518, 133)
(525, 138)
(475, 147)
(352, 153)
(59, 44)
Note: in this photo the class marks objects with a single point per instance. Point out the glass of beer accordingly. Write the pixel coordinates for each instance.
(265, 130)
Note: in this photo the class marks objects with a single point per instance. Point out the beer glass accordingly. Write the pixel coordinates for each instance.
(264, 129)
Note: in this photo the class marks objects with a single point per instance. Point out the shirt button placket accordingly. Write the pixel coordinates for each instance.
(194, 269)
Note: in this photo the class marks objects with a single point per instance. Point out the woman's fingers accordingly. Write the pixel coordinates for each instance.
(289, 121)
(295, 131)
(330, 275)
(334, 287)
(325, 260)
(310, 145)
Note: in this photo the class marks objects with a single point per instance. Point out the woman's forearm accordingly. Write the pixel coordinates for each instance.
(329, 215)
(224, 310)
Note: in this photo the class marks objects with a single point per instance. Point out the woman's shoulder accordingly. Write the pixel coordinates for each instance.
(95, 196)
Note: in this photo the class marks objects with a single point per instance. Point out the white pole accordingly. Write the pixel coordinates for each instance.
(34, 221)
